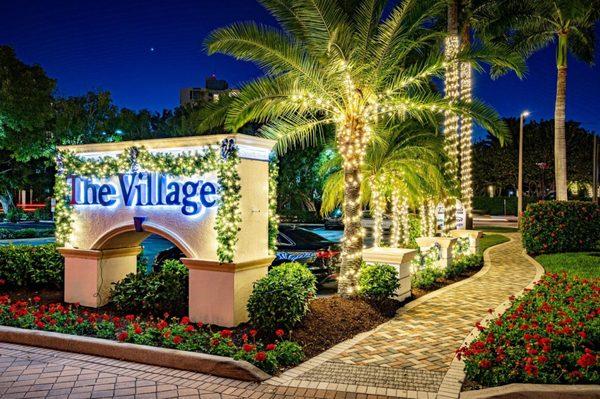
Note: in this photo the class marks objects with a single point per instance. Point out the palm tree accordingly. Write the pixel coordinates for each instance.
(342, 64)
(570, 23)
(402, 161)
(465, 18)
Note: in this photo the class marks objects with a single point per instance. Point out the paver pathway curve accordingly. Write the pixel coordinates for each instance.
(407, 357)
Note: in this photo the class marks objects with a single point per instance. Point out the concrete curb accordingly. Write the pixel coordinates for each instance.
(534, 391)
(192, 361)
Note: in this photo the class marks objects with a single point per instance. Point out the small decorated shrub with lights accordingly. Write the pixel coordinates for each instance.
(280, 299)
(378, 281)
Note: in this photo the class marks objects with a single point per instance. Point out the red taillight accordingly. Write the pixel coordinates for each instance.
(326, 254)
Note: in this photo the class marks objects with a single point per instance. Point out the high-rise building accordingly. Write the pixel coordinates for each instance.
(213, 88)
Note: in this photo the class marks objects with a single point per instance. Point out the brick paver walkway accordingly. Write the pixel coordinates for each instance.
(406, 357)
(412, 353)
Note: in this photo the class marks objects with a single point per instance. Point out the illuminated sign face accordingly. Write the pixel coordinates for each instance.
(145, 189)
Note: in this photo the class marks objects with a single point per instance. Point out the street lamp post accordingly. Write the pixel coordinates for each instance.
(524, 115)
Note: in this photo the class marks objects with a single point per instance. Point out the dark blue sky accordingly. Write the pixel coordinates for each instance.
(106, 44)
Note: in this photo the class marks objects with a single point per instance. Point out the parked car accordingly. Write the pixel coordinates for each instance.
(334, 221)
(294, 244)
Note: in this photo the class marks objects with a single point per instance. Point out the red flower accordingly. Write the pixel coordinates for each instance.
(36, 299)
(279, 333)
(485, 364)
(225, 333)
(260, 356)
(582, 334)
(161, 325)
(244, 337)
(185, 320)
(130, 317)
(248, 348)
(177, 340)
(137, 329)
(587, 360)
(39, 324)
(190, 328)
(253, 333)
(79, 320)
(200, 324)
(271, 347)
(214, 342)
(122, 336)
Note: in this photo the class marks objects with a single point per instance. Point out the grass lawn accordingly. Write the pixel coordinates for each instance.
(489, 240)
(582, 264)
(497, 229)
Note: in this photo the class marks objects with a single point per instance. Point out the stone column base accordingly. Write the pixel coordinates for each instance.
(219, 292)
(400, 258)
(445, 244)
(473, 235)
(89, 274)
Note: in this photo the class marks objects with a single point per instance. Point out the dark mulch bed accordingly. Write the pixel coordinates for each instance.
(334, 319)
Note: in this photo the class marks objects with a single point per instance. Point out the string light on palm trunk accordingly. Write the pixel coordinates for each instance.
(395, 236)
(405, 238)
(451, 126)
(466, 146)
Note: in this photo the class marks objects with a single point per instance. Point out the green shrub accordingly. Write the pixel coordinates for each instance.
(280, 299)
(300, 272)
(288, 353)
(378, 281)
(426, 277)
(163, 291)
(560, 226)
(462, 264)
(31, 266)
(15, 214)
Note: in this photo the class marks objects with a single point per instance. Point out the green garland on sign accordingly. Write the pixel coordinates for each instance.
(273, 217)
(229, 215)
(184, 164)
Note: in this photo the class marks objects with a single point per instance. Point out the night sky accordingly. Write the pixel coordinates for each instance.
(145, 51)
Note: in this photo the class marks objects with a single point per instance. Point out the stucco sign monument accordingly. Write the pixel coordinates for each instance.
(208, 195)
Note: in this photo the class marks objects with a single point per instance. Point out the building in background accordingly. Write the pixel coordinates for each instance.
(213, 88)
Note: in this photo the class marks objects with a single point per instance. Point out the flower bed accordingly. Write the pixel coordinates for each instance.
(551, 335)
(175, 333)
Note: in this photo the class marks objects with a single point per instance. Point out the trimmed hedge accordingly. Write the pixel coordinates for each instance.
(495, 205)
(31, 266)
(6, 234)
(560, 226)
(378, 281)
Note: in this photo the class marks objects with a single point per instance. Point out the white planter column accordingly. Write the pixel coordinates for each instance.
(474, 237)
(444, 243)
(400, 258)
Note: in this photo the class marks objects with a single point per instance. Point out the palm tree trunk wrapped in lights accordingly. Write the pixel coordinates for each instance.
(395, 234)
(451, 121)
(405, 223)
(378, 203)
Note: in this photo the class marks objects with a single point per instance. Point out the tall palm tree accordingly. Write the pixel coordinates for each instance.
(570, 24)
(342, 64)
(466, 18)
